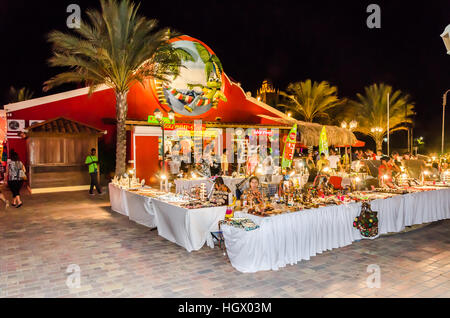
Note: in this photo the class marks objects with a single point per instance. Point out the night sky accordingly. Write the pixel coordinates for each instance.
(283, 41)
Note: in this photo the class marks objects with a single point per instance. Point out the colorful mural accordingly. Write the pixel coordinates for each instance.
(198, 87)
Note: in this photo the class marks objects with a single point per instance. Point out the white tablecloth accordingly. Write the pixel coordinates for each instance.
(289, 238)
(117, 199)
(137, 207)
(189, 228)
(140, 209)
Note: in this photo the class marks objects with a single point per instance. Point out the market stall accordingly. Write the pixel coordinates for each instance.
(189, 228)
(288, 238)
(178, 220)
(183, 185)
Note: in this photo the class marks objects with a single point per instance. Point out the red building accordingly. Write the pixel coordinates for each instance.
(98, 110)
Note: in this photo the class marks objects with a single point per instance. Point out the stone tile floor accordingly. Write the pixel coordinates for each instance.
(119, 258)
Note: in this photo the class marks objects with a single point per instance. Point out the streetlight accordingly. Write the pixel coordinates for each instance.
(159, 117)
(444, 103)
(351, 126)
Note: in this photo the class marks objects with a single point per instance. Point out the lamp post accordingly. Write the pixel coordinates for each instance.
(444, 103)
(159, 117)
(446, 39)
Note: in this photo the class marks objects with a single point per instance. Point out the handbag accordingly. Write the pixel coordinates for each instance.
(22, 174)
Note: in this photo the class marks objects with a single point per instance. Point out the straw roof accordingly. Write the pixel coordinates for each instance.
(310, 132)
(62, 126)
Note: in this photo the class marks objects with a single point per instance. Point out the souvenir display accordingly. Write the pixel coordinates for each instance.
(125, 182)
(242, 223)
(197, 205)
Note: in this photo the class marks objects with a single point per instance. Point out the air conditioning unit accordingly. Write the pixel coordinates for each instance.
(34, 122)
(16, 125)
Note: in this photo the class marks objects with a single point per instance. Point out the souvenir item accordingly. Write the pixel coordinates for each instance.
(367, 222)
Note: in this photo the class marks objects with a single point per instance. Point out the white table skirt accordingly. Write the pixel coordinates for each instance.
(140, 209)
(137, 207)
(117, 199)
(289, 238)
(189, 228)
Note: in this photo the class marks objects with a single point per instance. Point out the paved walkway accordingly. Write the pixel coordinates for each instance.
(119, 258)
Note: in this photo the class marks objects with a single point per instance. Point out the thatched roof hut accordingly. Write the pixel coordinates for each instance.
(310, 132)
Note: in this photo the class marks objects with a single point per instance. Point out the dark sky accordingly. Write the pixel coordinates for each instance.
(281, 40)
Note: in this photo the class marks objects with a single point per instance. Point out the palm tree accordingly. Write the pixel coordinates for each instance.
(370, 111)
(20, 95)
(212, 62)
(118, 48)
(311, 100)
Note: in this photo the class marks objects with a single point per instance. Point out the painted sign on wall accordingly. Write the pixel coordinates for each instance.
(198, 87)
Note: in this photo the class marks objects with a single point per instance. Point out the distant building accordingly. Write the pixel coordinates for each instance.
(267, 93)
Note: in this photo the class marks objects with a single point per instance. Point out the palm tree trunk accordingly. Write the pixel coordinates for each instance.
(121, 145)
(379, 143)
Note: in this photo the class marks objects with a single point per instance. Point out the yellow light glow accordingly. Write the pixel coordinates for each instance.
(386, 176)
(163, 177)
(326, 169)
(426, 173)
(404, 175)
(357, 179)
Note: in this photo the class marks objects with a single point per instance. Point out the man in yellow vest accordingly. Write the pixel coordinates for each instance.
(92, 163)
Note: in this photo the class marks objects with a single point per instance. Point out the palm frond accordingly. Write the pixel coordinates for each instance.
(311, 100)
(115, 46)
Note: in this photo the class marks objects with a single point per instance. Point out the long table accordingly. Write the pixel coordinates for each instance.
(182, 185)
(289, 238)
(189, 228)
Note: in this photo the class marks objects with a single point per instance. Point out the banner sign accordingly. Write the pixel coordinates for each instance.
(323, 142)
(259, 132)
(289, 148)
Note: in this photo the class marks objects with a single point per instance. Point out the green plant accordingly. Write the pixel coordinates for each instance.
(311, 101)
(118, 48)
(19, 95)
(370, 111)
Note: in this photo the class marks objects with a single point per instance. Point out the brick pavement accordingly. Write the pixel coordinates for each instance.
(119, 258)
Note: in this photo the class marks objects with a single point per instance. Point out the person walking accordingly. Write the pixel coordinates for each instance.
(15, 172)
(92, 163)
